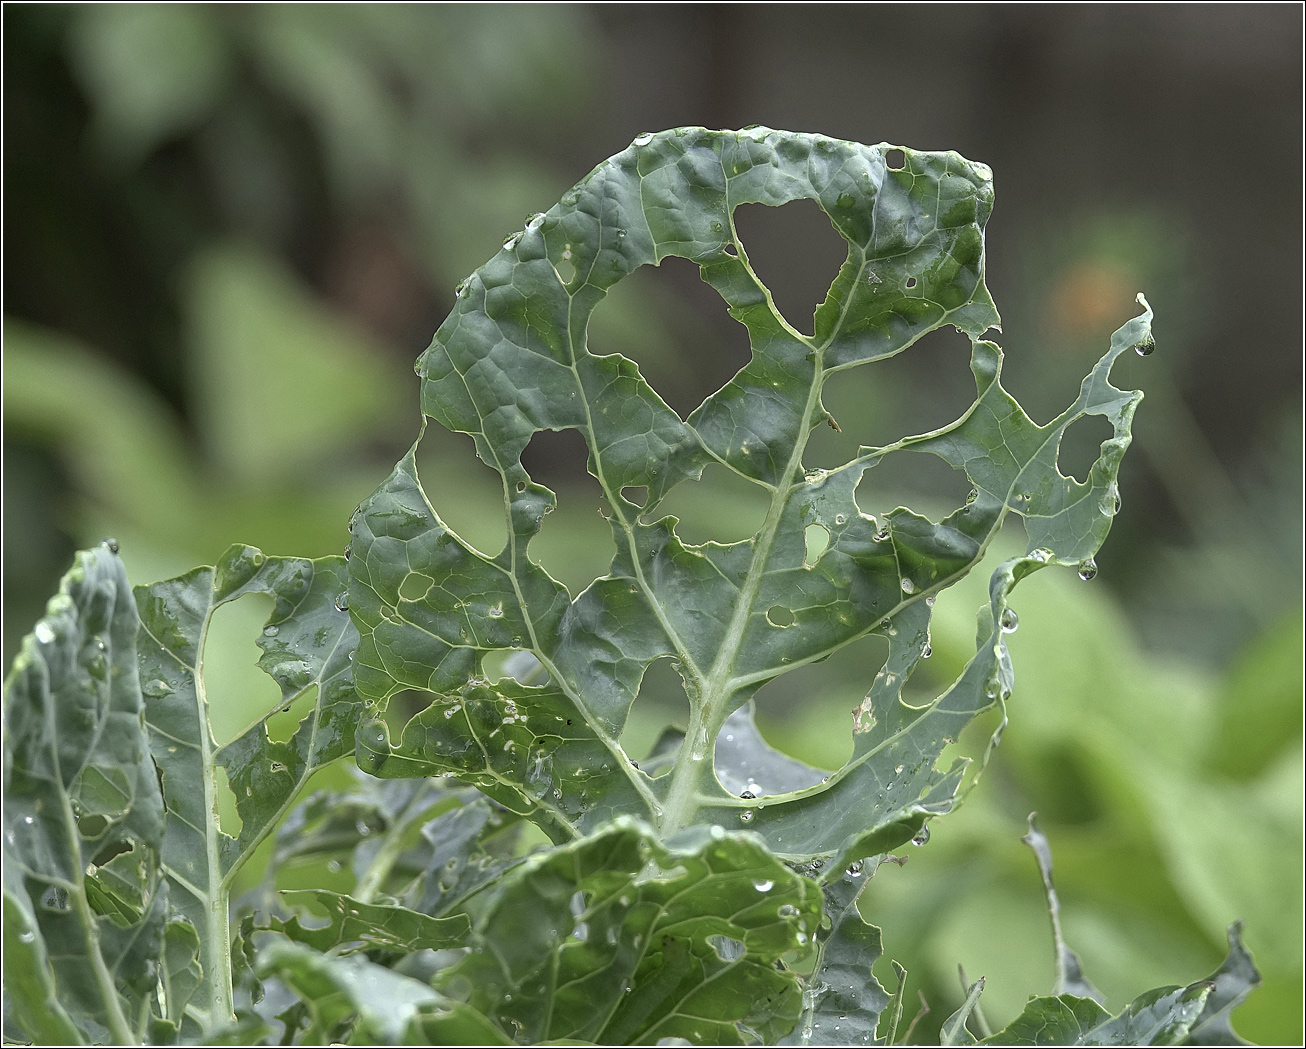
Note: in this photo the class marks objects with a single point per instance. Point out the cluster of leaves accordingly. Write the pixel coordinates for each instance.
(709, 896)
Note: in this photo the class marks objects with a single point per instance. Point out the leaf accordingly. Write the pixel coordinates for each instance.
(392, 1009)
(375, 925)
(1070, 978)
(79, 784)
(844, 1001)
(306, 647)
(1233, 981)
(953, 1031)
(618, 938)
(512, 360)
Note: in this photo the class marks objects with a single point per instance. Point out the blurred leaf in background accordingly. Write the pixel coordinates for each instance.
(229, 231)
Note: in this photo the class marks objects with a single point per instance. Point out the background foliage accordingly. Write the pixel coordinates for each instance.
(229, 232)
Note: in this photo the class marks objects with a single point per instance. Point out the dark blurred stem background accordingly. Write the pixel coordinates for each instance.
(229, 230)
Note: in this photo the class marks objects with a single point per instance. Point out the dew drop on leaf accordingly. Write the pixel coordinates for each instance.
(922, 836)
(763, 886)
(1087, 569)
(908, 587)
(1010, 621)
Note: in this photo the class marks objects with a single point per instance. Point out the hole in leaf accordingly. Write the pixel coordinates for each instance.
(660, 703)
(795, 252)
(566, 270)
(920, 481)
(807, 712)
(721, 507)
(447, 463)
(895, 159)
(817, 538)
(779, 616)
(515, 663)
(239, 693)
(909, 283)
(638, 496)
(574, 544)
(1081, 444)
(414, 586)
(676, 328)
(923, 388)
(92, 825)
(228, 818)
(282, 725)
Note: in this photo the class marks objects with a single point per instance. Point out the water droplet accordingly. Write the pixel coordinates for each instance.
(974, 494)
(839, 519)
(111, 544)
(1042, 555)
(643, 139)
(512, 240)
(908, 587)
(1146, 347)
(460, 289)
(763, 886)
(922, 836)
(927, 651)
(872, 279)
(882, 534)
(26, 937)
(787, 910)
(1009, 620)
(349, 549)
(271, 631)
(992, 688)
(342, 601)
(1110, 502)
(496, 611)
(534, 221)
(1087, 569)
(854, 871)
(44, 632)
(748, 795)
(746, 815)
(898, 769)
(931, 599)
(157, 688)
(335, 866)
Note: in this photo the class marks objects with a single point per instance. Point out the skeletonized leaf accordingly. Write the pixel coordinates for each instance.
(307, 647)
(512, 359)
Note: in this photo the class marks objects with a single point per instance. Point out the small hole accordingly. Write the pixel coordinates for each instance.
(229, 820)
(566, 271)
(415, 586)
(521, 486)
(282, 725)
(637, 496)
(779, 616)
(818, 538)
(910, 283)
(895, 160)
(730, 250)
(1081, 444)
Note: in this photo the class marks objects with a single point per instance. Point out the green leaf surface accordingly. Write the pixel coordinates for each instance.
(620, 939)
(307, 648)
(370, 925)
(391, 1009)
(843, 1001)
(79, 784)
(513, 359)
(1070, 978)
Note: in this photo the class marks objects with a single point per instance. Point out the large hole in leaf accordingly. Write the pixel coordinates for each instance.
(920, 481)
(721, 507)
(1081, 443)
(676, 328)
(795, 252)
(807, 713)
(661, 703)
(466, 492)
(515, 663)
(228, 818)
(282, 725)
(574, 544)
(923, 388)
(239, 694)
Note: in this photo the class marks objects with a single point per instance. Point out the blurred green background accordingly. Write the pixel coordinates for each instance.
(230, 230)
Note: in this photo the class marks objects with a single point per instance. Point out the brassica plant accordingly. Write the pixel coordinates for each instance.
(708, 894)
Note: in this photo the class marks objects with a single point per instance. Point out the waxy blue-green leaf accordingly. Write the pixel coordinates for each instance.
(1164, 1016)
(513, 359)
(1070, 978)
(307, 647)
(79, 784)
(621, 939)
(843, 1001)
(368, 924)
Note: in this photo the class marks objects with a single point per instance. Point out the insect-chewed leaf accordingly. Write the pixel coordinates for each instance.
(82, 945)
(307, 646)
(620, 939)
(512, 360)
(373, 925)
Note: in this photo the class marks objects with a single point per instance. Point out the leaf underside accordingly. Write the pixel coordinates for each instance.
(512, 359)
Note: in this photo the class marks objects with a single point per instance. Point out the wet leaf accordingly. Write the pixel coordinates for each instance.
(371, 925)
(512, 360)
